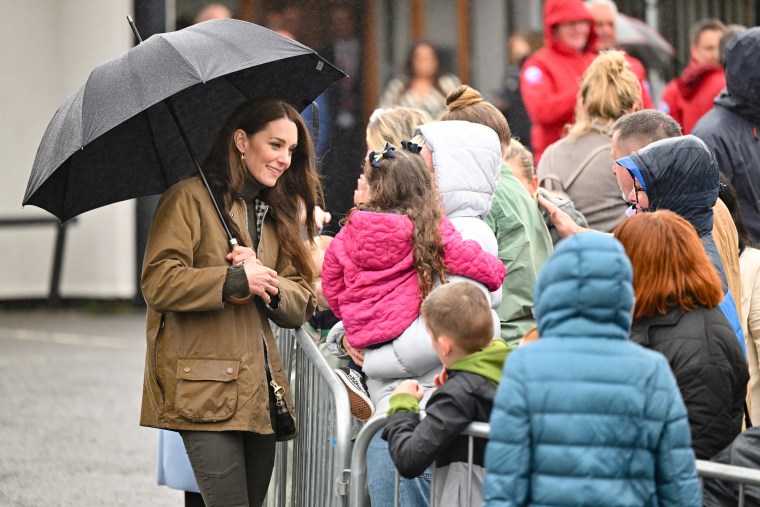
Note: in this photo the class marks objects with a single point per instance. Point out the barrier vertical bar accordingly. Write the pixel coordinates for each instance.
(433, 481)
(470, 459)
(341, 451)
(396, 488)
(358, 468)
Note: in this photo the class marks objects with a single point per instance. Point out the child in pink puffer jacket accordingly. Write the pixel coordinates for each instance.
(387, 258)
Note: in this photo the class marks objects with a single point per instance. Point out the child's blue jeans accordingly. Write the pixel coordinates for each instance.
(381, 476)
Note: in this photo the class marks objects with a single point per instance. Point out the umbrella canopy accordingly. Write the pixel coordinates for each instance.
(643, 41)
(115, 139)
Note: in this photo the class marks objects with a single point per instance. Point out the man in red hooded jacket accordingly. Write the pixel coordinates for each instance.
(690, 95)
(550, 78)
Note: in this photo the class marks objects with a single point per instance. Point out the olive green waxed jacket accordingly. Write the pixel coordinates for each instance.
(206, 361)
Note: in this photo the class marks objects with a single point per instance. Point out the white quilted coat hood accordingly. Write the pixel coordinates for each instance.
(467, 162)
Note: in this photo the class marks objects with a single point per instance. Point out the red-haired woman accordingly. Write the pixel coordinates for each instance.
(677, 294)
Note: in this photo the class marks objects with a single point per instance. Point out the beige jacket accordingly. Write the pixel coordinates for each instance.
(727, 241)
(594, 190)
(750, 269)
(205, 366)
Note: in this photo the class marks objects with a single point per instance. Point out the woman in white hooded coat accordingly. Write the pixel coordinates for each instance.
(466, 159)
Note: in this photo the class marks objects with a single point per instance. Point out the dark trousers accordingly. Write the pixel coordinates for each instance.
(232, 468)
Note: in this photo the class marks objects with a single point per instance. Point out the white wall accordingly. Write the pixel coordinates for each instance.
(48, 48)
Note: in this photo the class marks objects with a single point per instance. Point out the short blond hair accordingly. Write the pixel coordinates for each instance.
(460, 311)
(393, 126)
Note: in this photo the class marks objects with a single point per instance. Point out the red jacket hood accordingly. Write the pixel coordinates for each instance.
(565, 11)
(693, 76)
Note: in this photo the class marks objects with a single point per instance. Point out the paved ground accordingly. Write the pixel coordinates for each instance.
(70, 389)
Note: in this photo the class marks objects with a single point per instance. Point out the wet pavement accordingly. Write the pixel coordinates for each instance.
(70, 392)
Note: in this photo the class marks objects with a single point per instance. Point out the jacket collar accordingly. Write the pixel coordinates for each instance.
(640, 331)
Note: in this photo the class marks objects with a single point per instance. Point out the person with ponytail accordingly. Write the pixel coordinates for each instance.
(579, 164)
(389, 255)
(523, 239)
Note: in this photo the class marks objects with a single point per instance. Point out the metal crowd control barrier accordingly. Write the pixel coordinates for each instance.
(740, 475)
(310, 469)
(706, 469)
(319, 467)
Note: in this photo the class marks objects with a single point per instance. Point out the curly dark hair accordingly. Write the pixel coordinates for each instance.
(404, 185)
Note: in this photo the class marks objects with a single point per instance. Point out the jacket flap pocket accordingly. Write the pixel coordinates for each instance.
(221, 370)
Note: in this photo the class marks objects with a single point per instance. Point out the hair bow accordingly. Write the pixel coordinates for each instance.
(411, 147)
(376, 157)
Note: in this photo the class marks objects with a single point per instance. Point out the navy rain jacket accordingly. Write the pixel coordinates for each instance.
(730, 127)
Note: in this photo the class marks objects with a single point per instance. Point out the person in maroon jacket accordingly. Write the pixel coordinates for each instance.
(690, 95)
(550, 78)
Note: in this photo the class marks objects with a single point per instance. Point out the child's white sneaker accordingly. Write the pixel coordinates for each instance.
(361, 406)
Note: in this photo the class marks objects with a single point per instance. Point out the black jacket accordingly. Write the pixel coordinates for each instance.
(709, 367)
(415, 445)
(730, 127)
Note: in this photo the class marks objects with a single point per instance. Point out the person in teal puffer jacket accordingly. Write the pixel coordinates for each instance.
(583, 416)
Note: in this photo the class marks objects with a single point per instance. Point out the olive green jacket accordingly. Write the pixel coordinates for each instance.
(206, 361)
(524, 245)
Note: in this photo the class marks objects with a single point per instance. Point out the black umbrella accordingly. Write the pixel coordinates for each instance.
(121, 134)
(645, 43)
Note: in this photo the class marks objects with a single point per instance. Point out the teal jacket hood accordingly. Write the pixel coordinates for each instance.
(585, 289)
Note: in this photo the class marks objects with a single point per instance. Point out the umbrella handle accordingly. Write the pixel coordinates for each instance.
(235, 301)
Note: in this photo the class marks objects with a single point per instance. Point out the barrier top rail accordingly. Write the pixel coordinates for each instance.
(358, 471)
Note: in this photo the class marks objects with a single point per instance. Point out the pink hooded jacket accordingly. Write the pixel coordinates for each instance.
(370, 280)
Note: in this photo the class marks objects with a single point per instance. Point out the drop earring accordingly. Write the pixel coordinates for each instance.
(242, 156)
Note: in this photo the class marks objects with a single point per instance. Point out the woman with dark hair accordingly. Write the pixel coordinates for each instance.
(213, 371)
(423, 86)
(676, 313)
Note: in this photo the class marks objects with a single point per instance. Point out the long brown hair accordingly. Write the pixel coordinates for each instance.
(403, 185)
(670, 266)
(296, 187)
(409, 66)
